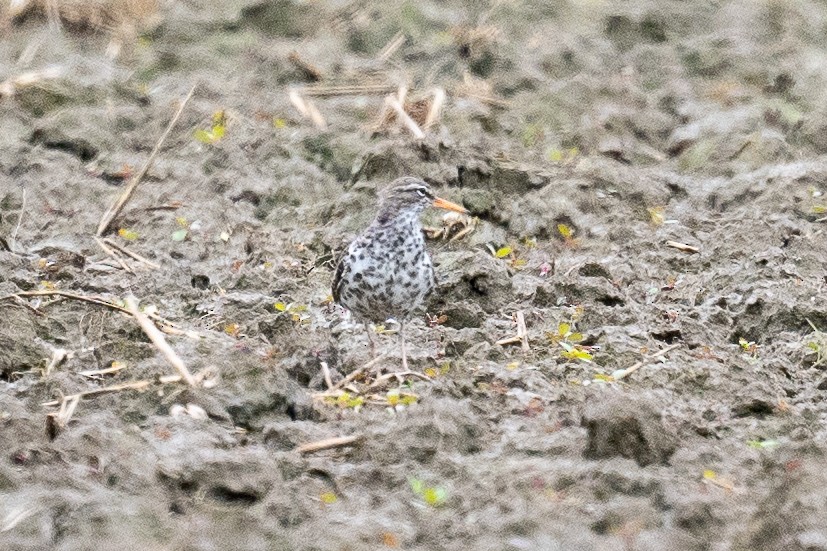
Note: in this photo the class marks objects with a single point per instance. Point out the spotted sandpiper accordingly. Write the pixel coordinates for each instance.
(386, 272)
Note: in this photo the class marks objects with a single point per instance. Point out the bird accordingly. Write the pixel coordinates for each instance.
(386, 272)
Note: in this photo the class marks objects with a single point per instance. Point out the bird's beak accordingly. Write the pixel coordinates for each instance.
(448, 205)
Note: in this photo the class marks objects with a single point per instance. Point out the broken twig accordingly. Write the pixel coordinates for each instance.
(521, 336)
(355, 373)
(683, 247)
(134, 385)
(326, 371)
(522, 332)
(114, 255)
(399, 376)
(159, 341)
(328, 444)
(622, 373)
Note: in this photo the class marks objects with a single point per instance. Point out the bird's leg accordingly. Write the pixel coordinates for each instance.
(370, 340)
(402, 341)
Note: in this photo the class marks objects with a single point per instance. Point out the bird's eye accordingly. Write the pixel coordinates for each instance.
(421, 193)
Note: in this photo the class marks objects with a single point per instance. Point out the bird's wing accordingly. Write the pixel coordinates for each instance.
(337, 276)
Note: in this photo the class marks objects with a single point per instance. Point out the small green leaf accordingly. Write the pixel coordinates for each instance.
(763, 444)
(180, 235)
(435, 496)
(203, 136)
(409, 399)
(577, 353)
(502, 252)
(128, 234)
(280, 306)
(329, 498)
(565, 231)
(216, 131)
(656, 215)
(417, 486)
(347, 400)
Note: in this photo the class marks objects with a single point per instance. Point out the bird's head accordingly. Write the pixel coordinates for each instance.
(411, 195)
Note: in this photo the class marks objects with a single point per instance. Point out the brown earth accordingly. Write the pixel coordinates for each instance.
(632, 125)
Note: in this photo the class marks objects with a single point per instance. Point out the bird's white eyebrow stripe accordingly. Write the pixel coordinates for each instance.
(418, 187)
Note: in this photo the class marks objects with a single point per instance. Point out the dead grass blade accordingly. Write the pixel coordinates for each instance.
(114, 255)
(116, 208)
(404, 118)
(354, 90)
(435, 111)
(391, 47)
(132, 254)
(307, 109)
(65, 294)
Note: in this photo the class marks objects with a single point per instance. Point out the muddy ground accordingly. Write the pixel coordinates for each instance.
(625, 126)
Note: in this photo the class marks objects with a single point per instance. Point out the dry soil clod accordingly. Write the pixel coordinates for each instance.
(310, 71)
